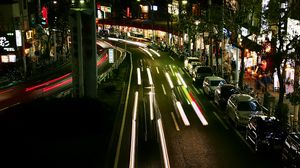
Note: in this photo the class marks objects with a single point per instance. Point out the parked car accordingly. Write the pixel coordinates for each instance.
(223, 92)
(188, 60)
(265, 132)
(210, 83)
(291, 150)
(192, 66)
(240, 107)
(200, 73)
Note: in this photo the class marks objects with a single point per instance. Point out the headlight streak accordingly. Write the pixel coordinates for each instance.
(134, 43)
(147, 52)
(181, 79)
(169, 80)
(182, 114)
(133, 132)
(163, 144)
(151, 97)
(175, 122)
(139, 76)
(149, 77)
(155, 52)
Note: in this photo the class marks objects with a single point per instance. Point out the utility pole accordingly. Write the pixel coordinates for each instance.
(83, 21)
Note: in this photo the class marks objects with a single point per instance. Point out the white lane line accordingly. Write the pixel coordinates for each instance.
(164, 90)
(182, 114)
(197, 91)
(133, 132)
(181, 79)
(116, 162)
(157, 70)
(221, 121)
(149, 77)
(175, 122)
(163, 144)
(172, 58)
(139, 76)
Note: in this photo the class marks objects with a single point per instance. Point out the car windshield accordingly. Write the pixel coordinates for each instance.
(215, 82)
(204, 70)
(248, 106)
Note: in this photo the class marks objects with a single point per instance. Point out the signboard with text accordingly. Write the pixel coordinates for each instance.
(111, 55)
(8, 47)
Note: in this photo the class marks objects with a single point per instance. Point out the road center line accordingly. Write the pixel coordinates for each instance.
(175, 122)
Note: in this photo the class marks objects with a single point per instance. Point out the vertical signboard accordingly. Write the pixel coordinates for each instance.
(111, 55)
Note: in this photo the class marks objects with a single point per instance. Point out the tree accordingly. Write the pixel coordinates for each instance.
(242, 13)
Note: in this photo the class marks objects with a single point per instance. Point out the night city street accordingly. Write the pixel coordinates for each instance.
(150, 83)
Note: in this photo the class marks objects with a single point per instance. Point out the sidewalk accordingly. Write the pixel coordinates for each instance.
(274, 94)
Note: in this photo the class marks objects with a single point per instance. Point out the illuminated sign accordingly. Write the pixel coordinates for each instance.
(7, 42)
(111, 55)
(18, 38)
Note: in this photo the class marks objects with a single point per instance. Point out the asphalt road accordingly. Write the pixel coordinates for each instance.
(190, 143)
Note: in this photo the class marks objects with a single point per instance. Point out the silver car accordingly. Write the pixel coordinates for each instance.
(210, 83)
(240, 107)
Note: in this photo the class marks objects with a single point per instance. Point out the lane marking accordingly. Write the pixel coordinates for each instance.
(172, 58)
(221, 121)
(9, 106)
(149, 77)
(169, 80)
(164, 90)
(133, 131)
(175, 122)
(157, 70)
(124, 116)
(197, 91)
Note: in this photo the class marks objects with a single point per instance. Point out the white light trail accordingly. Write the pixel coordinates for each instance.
(175, 122)
(133, 132)
(149, 76)
(151, 96)
(139, 76)
(181, 79)
(163, 144)
(182, 114)
(171, 68)
(169, 80)
(155, 52)
(147, 52)
(199, 113)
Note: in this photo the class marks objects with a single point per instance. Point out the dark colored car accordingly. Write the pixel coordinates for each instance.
(223, 92)
(265, 132)
(200, 73)
(291, 150)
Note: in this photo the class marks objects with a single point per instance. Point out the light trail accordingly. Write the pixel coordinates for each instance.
(155, 52)
(46, 83)
(199, 113)
(139, 76)
(151, 96)
(65, 82)
(163, 88)
(175, 122)
(133, 132)
(147, 52)
(169, 80)
(163, 144)
(149, 76)
(181, 79)
(102, 60)
(182, 114)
